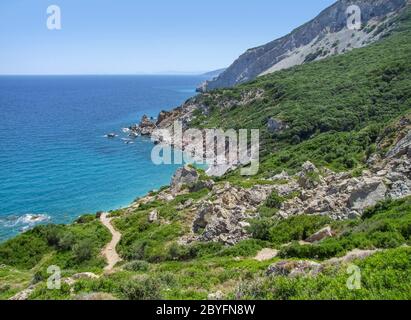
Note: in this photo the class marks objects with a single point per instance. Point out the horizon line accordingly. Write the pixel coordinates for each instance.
(102, 74)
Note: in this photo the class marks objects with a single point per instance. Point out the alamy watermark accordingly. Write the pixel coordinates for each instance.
(354, 281)
(353, 13)
(54, 281)
(53, 17)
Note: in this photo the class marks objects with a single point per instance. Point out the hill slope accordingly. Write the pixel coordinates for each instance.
(322, 37)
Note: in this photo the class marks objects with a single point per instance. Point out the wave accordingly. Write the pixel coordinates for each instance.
(24, 222)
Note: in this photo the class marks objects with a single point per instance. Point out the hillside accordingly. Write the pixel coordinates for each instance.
(324, 36)
(333, 194)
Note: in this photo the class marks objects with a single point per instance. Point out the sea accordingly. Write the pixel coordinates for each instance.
(56, 162)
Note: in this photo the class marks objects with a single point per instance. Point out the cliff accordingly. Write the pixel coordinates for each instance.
(324, 36)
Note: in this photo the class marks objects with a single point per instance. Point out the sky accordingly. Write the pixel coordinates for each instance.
(141, 36)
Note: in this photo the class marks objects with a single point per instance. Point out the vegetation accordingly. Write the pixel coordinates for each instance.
(339, 111)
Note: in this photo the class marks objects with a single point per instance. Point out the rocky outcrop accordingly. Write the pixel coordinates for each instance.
(184, 177)
(322, 37)
(367, 193)
(342, 196)
(403, 147)
(225, 218)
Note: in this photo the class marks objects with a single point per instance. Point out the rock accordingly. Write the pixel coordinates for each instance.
(23, 295)
(320, 235)
(95, 296)
(186, 176)
(403, 147)
(276, 125)
(400, 189)
(111, 135)
(256, 196)
(307, 177)
(294, 268)
(353, 215)
(200, 185)
(266, 254)
(85, 275)
(356, 254)
(153, 216)
(146, 126)
(162, 116)
(216, 296)
(244, 224)
(367, 194)
(203, 216)
(282, 176)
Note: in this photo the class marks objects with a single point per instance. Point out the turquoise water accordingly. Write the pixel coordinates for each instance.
(54, 159)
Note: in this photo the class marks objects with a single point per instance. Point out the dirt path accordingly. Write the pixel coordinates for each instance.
(109, 251)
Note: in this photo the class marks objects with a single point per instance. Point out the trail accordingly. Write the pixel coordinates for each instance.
(109, 251)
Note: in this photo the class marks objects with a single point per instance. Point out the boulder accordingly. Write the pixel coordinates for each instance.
(266, 254)
(355, 254)
(367, 194)
(153, 216)
(186, 176)
(85, 275)
(403, 147)
(282, 176)
(276, 125)
(307, 177)
(162, 116)
(200, 185)
(320, 235)
(295, 268)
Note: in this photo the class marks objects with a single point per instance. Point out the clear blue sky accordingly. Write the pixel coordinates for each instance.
(141, 36)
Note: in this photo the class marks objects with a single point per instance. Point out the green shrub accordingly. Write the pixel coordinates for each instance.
(296, 228)
(324, 250)
(274, 200)
(245, 248)
(260, 228)
(137, 266)
(86, 218)
(83, 251)
(147, 289)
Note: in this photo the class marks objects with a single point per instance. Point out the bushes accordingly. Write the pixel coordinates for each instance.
(274, 200)
(147, 289)
(245, 248)
(296, 228)
(137, 266)
(86, 218)
(385, 226)
(260, 228)
(68, 246)
(325, 250)
(83, 251)
(384, 276)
